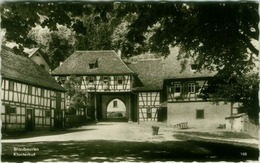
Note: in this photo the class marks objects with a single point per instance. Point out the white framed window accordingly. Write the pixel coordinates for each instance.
(177, 88)
(191, 87)
(120, 80)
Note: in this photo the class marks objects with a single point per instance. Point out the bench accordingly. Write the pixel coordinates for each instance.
(182, 125)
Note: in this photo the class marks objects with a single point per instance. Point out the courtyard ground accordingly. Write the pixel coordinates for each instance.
(108, 141)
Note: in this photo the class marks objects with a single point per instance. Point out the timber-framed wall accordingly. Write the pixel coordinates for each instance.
(29, 107)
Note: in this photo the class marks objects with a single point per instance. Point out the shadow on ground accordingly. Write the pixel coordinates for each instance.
(114, 151)
(24, 134)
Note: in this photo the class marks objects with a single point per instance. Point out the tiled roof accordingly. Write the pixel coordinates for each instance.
(173, 69)
(150, 72)
(78, 64)
(23, 69)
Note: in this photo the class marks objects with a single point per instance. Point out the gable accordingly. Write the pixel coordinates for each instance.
(108, 63)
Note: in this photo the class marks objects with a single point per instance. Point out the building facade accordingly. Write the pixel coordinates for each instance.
(147, 90)
(39, 57)
(107, 81)
(31, 98)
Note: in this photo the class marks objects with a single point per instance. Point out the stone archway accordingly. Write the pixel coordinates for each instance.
(116, 109)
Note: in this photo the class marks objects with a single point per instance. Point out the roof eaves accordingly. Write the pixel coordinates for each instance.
(35, 84)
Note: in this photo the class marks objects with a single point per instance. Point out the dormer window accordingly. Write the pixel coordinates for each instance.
(91, 66)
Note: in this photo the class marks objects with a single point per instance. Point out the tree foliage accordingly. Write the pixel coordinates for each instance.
(77, 97)
(218, 36)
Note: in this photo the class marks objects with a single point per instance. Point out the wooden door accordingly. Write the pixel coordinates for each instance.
(58, 120)
(29, 120)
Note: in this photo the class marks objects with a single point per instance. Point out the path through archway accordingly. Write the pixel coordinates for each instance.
(116, 109)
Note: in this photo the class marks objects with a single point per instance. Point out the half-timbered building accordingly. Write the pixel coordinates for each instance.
(107, 80)
(39, 57)
(31, 98)
(147, 90)
(189, 96)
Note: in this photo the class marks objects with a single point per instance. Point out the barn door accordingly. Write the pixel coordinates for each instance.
(29, 120)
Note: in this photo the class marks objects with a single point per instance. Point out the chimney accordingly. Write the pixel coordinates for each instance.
(119, 53)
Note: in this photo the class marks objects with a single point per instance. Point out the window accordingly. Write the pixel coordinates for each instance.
(199, 114)
(30, 90)
(177, 88)
(91, 66)
(91, 79)
(149, 113)
(11, 85)
(120, 79)
(47, 113)
(191, 87)
(114, 104)
(62, 80)
(10, 109)
(105, 79)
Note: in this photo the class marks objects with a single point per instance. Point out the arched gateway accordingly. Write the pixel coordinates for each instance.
(116, 109)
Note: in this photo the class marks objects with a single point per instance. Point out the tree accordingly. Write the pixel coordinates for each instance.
(58, 45)
(217, 35)
(243, 90)
(77, 97)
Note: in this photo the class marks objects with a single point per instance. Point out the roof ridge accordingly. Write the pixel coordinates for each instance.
(35, 50)
(150, 59)
(95, 51)
(123, 62)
